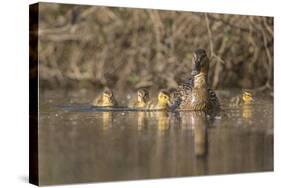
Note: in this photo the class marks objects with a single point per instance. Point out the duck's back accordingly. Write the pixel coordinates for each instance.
(182, 93)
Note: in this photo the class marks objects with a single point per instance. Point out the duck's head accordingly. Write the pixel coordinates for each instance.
(107, 95)
(164, 98)
(200, 62)
(143, 95)
(247, 97)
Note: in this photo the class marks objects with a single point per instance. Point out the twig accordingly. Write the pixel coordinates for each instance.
(209, 35)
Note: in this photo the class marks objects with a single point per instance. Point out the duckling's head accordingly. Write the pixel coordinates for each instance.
(200, 62)
(107, 96)
(143, 95)
(164, 98)
(247, 97)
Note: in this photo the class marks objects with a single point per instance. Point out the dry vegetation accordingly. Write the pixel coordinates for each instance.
(91, 46)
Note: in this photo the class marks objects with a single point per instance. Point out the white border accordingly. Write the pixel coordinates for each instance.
(14, 90)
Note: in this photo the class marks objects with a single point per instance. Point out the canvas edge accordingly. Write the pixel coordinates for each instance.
(33, 94)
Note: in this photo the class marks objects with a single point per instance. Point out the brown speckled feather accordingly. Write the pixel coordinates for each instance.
(182, 96)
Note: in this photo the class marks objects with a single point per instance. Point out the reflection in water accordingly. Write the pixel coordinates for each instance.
(107, 120)
(199, 121)
(196, 121)
(247, 112)
(82, 146)
(162, 120)
(141, 120)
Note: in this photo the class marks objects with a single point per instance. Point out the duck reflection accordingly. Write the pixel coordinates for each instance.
(197, 122)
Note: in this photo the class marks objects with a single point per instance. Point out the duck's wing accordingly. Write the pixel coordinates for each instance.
(213, 100)
(183, 89)
(182, 93)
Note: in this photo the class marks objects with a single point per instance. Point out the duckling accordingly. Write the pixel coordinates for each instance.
(163, 101)
(186, 98)
(246, 98)
(106, 99)
(143, 99)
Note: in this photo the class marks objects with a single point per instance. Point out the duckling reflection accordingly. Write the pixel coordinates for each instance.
(247, 112)
(107, 120)
(141, 120)
(198, 123)
(162, 119)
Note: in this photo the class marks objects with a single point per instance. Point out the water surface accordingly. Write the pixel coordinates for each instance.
(78, 143)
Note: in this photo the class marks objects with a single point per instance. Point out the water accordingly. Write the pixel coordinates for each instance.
(78, 143)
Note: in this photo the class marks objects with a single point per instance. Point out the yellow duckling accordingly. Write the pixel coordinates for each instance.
(244, 101)
(143, 99)
(106, 99)
(246, 98)
(163, 101)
